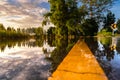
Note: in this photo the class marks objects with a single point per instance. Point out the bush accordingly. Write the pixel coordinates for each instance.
(104, 32)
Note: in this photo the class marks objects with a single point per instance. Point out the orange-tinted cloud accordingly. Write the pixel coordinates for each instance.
(22, 12)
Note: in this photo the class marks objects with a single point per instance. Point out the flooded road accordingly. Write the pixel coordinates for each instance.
(38, 59)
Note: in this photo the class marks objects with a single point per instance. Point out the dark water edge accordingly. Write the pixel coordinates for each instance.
(63, 47)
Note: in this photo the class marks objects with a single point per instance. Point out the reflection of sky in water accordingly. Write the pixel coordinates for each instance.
(100, 46)
(49, 49)
(116, 60)
(113, 65)
(24, 63)
(25, 51)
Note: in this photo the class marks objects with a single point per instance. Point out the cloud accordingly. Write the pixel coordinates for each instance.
(22, 12)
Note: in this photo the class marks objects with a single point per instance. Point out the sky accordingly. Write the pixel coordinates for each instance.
(116, 9)
(29, 13)
(22, 13)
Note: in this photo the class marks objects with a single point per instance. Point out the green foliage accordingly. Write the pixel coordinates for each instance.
(51, 31)
(90, 27)
(104, 32)
(51, 35)
(108, 20)
(39, 32)
(2, 27)
(75, 16)
(58, 15)
(106, 41)
(95, 8)
(72, 18)
(11, 33)
(118, 25)
(9, 43)
(34, 32)
(20, 42)
(62, 48)
(64, 14)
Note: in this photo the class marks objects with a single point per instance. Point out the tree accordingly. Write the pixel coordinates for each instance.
(58, 15)
(64, 14)
(96, 8)
(51, 31)
(23, 30)
(90, 27)
(18, 30)
(118, 24)
(69, 15)
(108, 20)
(9, 29)
(75, 15)
(2, 27)
(39, 31)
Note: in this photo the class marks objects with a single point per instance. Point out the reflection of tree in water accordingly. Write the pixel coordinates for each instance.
(2, 48)
(8, 43)
(59, 53)
(51, 41)
(118, 45)
(22, 42)
(62, 48)
(100, 52)
(108, 46)
(109, 53)
(104, 51)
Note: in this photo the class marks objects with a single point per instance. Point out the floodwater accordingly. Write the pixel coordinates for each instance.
(24, 60)
(33, 59)
(107, 52)
(37, 59)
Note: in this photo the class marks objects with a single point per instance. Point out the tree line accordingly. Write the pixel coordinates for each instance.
(108, 21)
(11, 33)
(78, 17)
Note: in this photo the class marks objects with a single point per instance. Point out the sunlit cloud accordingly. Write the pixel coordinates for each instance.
(22, 12)
(29, 13)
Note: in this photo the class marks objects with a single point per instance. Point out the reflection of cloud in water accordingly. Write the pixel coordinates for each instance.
(24, 69)
(100, 46)
(49, 49)
(21, 52)
(110, 60)
(22, 63)
(116, 61)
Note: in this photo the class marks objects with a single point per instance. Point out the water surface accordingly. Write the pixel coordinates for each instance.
(33, 59)
(37, 59)
(107, 52)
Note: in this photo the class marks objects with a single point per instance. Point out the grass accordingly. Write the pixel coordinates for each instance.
(104, 33)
